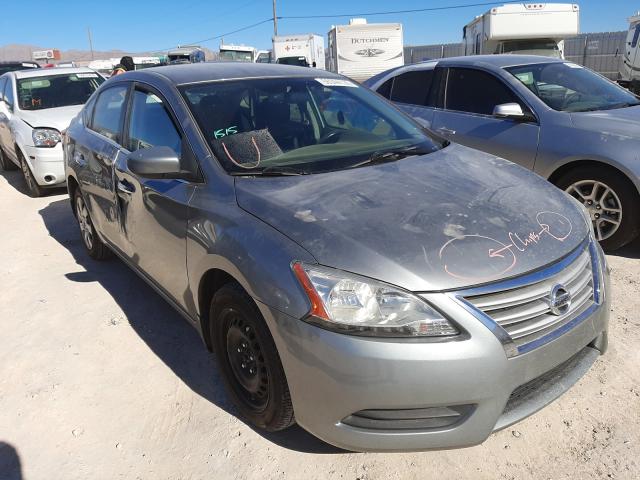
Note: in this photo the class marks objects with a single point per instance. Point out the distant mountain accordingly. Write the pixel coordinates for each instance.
(82, 57)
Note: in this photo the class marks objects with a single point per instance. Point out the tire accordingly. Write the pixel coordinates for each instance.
(90, 239)
(576, 183)
(5, 163)
(33, 188)
(249, 361)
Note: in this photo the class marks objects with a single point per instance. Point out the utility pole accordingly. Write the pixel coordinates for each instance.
(275, 19)
(90, 42)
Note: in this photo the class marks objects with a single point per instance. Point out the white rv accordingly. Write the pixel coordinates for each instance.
(630, 68)
(525, 28)
(361, 50)
(304, 50)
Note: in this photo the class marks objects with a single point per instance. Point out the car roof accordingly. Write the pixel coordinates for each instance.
(499, 61)
(211, 71)
(45, 72)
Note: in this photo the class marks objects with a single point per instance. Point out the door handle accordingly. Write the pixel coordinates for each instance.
(445, 131)
(125, 187)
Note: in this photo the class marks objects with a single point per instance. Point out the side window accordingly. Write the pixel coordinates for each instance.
(385, 88)
(475, 91)
(3, 82)
(109, 112)
(88, 110)
(412, 87)
(636, 34)
(150, 124)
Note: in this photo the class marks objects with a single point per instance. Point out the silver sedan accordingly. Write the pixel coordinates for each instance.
(564, 122)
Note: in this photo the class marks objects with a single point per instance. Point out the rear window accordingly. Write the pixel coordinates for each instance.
(52, 91)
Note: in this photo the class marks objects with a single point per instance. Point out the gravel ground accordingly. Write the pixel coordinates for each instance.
(100, 378)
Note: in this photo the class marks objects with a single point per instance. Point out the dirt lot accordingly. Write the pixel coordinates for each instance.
(100, 378)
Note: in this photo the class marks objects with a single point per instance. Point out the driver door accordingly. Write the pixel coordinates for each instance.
(467, 117)
(154, 211)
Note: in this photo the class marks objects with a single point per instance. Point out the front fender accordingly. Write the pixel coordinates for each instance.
(222, 236)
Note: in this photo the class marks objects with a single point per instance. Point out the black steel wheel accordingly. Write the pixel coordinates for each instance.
(249, 360)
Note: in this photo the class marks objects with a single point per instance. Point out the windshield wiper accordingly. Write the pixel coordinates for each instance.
(610, 107)
(271, 171)
(386, 156)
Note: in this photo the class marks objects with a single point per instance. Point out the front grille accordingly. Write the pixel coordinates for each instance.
(525, 312)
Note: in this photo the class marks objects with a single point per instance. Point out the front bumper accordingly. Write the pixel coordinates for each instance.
(47, 165)
(331, 376)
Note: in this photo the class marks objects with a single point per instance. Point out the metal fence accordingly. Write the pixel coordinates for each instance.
(601, 52)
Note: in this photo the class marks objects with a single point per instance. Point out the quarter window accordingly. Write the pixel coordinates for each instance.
(151, 125)
(385, 88)
(475, 91)
(109, 112)
(412, 87)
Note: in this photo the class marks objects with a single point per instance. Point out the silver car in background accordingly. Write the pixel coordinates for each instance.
(564, 122)
(352, 272)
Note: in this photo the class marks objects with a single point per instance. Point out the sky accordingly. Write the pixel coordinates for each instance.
(156, 25)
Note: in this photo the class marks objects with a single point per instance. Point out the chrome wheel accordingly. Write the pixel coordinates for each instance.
(603, 204)
(84, 221)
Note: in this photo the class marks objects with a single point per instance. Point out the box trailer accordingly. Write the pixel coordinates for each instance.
(524, 28)
(630, 67)
(361, 50)
(304, 50)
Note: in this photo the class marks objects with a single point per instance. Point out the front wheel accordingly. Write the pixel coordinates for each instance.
(33, 188)
(612, 202)
(249, 360)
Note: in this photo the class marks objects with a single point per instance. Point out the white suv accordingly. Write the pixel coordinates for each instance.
(35, 107)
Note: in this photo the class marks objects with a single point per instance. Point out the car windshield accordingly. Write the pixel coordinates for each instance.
(301, 125)
(12, 67)
(568, 87)
(51, 91)
(532, 47)
(235, 56)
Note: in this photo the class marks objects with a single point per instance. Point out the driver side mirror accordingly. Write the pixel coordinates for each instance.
(155, 162)
(512, 111)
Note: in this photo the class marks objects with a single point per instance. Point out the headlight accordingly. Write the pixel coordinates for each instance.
(45, 137)
(351, 304)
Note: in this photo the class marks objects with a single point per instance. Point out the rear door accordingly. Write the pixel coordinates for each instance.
(154, 212)
(467, 117)
(97, 153)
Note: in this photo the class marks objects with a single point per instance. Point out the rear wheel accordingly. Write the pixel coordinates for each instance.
(249, 360)
(5, 163)
(612, 202)
(33, 188)
(95, 247)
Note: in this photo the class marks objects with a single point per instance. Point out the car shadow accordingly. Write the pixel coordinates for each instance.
(16, 180)
(10, 467)
(164, 331)
(631, 250)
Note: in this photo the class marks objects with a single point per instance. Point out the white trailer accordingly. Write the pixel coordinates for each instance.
(304, 50)
(525, 28)
(630, 68)
(361, 50)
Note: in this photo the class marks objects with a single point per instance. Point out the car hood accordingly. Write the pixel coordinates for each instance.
(58, 118)
(623, 122)
(450, 219)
